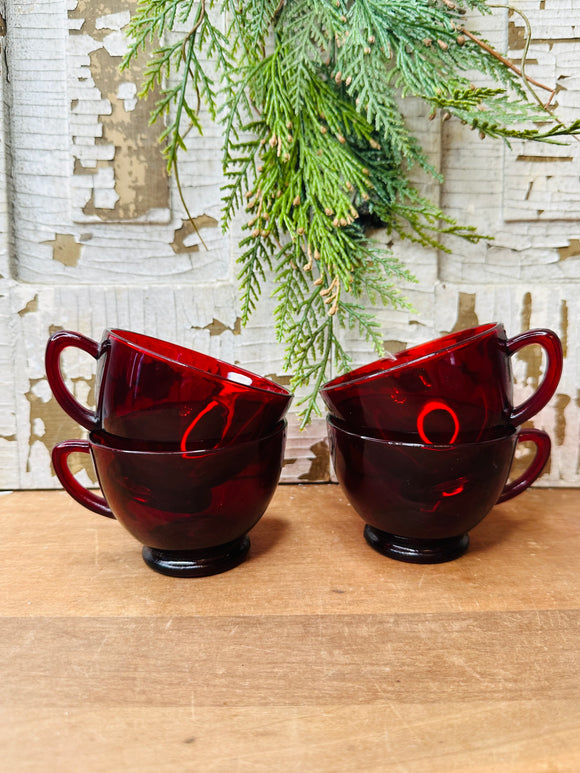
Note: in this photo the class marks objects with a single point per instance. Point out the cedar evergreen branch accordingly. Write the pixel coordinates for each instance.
(315, 145)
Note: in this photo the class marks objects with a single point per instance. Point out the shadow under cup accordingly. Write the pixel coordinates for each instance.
(419, 501)
(190, 510)
(454, 389)
(152, 390)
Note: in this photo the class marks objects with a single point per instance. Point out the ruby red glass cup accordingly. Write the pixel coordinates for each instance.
(152, 390)
(420, 500)
(454, 389)
(192, 510)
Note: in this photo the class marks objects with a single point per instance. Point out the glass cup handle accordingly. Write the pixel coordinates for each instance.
(551, 344)
(83, 496)
(56, 343)
(543, 446)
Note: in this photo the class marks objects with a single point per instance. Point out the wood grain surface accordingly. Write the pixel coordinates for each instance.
(316, 654)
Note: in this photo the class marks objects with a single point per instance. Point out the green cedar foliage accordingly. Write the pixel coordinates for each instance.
(315, 146)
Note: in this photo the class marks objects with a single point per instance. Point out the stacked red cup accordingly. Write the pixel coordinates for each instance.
(187, 449)
(422, 442)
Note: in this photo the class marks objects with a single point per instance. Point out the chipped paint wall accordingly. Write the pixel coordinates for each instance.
(118, 175)
(93, 234)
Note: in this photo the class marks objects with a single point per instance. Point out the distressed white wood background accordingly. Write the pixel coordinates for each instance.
(92, 234)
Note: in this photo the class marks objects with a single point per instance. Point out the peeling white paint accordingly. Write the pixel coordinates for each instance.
(116, 44)
(104, 198)
(80, 46)
(191, 239)
(42, 390)
(104, 180)
(38, 457)
(38, 428)
(113, 21)
(84, 479)
(127, 92)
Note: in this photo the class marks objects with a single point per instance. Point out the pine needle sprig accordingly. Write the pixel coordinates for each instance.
(312, 343)
(400, 209)
(250, 26)
(151, 20)
(317, 151)
(308, 33)
(487, 110)
(196, 84)
(256, 263)
(239, 166)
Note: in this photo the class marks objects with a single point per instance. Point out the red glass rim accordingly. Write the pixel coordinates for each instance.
(101, 439)
(501, 436)
(413, 356)
(190, 358)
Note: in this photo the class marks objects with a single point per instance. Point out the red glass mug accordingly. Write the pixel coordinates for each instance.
(192, 510)
(454, 389)
(151, 390)
(420, 500)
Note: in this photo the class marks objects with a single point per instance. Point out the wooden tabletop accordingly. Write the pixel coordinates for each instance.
(316, 654)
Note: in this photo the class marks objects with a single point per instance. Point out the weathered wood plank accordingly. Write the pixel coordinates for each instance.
(308, 557)
(316, 654)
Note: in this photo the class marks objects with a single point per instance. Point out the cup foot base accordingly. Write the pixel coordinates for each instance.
(416, 551)
(197, 563)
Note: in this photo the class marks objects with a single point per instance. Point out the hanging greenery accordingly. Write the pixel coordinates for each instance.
(315, 147)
